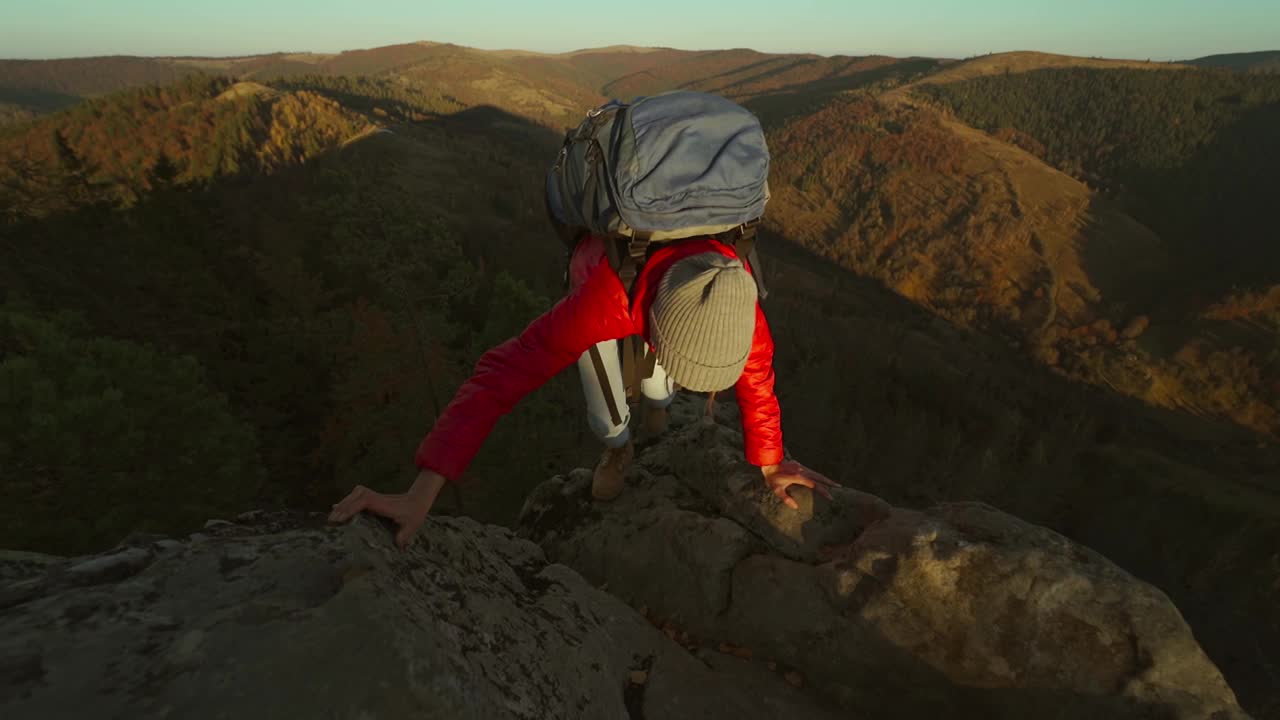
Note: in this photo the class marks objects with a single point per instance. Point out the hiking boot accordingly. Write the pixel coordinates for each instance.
(653, 422)
(608, 480)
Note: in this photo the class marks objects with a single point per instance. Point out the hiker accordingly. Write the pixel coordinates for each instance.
(657, 202)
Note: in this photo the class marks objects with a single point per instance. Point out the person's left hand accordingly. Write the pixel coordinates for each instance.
(781, 477)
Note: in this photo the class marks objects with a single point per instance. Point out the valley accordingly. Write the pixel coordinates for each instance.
(255, 282)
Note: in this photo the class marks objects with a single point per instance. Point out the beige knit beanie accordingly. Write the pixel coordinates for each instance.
(702, 321)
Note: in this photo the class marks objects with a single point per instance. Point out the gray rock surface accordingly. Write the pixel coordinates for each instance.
(955, 611)
(703, 597)
(276, 616)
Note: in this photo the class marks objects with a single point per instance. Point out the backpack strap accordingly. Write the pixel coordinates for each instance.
(626, 256)
(743, 239)
(638, 364)
(598, 362)
(757, 270)
(650, 362)
(631, 254)
(631, 366)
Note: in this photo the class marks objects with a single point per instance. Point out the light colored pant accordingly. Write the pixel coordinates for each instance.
(658, 391)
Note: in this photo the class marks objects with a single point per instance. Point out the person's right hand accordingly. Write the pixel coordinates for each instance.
(407, 510)
(780, 477)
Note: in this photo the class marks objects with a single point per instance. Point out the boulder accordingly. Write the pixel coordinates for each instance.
(958, 610)
(278, 616)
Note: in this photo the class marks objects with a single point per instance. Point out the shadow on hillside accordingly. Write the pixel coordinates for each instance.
(777, 108)
(775, 71)
(771, 62)
(41, 101)
(1223, 209)
(1215, 213)
(1215, 223)
(538, 140)
(1124, 260)
(257, 277)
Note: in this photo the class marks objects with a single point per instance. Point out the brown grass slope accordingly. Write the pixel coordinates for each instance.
(543, 86)
(948, 216)
(556, 89)
(551, 88)
(551, 82)
(689, 68)
(548, 89)
(1197, 340)
(747, 74)
(987, 235)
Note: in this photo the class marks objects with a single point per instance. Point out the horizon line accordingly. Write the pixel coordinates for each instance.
(603, 48)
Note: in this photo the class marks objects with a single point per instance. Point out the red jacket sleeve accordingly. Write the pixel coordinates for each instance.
(761, 416)
(593, 312)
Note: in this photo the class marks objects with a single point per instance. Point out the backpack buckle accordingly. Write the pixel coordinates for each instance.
(638, 245)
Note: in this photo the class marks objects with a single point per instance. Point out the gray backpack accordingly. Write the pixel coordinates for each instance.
(662, 168)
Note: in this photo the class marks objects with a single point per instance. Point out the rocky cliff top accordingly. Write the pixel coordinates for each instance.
(695, 595)
(957, 610)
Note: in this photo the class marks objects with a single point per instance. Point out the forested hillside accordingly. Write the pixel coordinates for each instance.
(1188, 153)
(33, 87)
(85, 77)
(223, 294)
(269, 188)
(240, 254)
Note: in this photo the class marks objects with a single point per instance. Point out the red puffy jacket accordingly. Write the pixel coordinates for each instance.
(596, 309)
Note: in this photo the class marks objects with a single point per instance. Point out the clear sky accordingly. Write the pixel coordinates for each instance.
(1155, 29)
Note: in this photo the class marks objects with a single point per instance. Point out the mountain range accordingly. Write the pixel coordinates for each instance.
(1047, 282)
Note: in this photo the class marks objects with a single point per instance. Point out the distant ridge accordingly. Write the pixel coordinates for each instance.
(1261, 61)
(1026, 61)
(613, 49)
